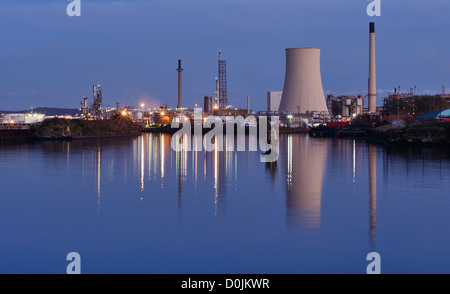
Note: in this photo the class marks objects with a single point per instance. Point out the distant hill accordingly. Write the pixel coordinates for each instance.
(47, 111)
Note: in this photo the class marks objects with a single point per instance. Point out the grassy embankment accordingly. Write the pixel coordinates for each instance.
(59, 128)
(428, 133)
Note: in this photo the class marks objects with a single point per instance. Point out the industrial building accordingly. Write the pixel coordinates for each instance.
(94, 110)
(220, 98)
(23, 118)
(163, 116)
(408, 95)
(345, 106)
(273, 100)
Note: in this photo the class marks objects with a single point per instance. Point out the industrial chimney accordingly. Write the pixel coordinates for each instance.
(179, 105)
(206, 106)
(303, 91)
(372, 70)
(248, 104)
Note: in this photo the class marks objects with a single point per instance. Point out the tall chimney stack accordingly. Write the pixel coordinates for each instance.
(372, 70)
(179, 105)
(248, 104)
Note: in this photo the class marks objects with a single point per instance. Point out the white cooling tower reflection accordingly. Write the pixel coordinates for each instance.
(305, 171)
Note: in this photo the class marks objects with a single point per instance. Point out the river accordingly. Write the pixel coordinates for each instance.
(133, 205)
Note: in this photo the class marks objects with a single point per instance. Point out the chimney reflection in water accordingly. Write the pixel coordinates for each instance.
(372, 192)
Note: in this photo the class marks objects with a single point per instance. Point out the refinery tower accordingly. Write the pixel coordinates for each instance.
(303, 91)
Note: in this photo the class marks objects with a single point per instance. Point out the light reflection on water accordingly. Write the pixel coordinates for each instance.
(135, 205)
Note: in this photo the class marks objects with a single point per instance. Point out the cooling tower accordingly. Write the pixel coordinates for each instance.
(303, 89)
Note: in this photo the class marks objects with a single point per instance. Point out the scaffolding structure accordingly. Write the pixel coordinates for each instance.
(223, 98)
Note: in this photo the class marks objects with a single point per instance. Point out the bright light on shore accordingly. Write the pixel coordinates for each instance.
(124, 113)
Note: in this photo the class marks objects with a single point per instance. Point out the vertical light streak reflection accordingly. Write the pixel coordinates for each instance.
(235, 168)
(142, 159)
(194, 161)
(354, 161)
(204, 165)
(99, 176)
(125, 169)
(289, 163)
(162, 160)
(185, 154)
(155, 156)
(196, 168)
(150, 153)
(68, 156)
(135, 163)
(216, 177)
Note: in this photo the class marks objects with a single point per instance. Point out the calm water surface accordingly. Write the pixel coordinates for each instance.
(132, 205)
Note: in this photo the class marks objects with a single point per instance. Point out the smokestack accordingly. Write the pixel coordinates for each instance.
(443, 89)
(248, 104)
(179, 105)
(372, 70)
(206, 104)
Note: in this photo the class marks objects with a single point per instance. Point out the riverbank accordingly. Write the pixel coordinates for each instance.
(427, 134)
(14, 135)
(65, 129)
(169, 130)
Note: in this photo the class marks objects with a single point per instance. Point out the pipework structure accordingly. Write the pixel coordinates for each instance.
(97, 105)
(223, 97)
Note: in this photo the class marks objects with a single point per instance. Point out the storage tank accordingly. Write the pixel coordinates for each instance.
(139, 115)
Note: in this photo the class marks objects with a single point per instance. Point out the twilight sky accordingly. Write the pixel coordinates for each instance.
(131, 48)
